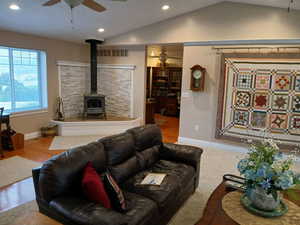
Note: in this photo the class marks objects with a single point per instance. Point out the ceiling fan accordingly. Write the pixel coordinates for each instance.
(92, 4)
(163, 57)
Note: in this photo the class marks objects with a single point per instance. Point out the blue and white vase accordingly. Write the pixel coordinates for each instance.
(260, 199)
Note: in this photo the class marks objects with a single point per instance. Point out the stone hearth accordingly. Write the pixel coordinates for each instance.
(114, 81)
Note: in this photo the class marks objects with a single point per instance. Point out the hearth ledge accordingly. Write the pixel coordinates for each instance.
(80, 128)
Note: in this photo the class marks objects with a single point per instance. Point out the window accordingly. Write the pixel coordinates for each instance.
(23, 79)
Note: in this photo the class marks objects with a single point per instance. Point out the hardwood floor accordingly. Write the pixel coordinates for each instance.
(169, 127)
(37, 150)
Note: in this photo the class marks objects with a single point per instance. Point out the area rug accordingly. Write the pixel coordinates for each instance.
(15, 169)
(214, 164)
(67, 142)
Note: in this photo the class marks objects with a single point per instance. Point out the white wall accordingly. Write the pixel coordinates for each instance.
(224, 21)
(199, 108)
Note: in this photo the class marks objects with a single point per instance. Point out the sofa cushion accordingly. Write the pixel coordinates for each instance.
(84, 212)
(125, 169)
(148, 157)
(93, 187)
(63, 173)
(142, 210)
(118, 148)
(178, 175)
(146, 136)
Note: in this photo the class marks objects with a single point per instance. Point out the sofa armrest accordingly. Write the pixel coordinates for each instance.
(189, 155)
(35, 177)
(182, 153)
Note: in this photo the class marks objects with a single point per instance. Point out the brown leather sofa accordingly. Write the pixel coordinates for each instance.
(129, 157)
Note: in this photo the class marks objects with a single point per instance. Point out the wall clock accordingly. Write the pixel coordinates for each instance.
(197, 78)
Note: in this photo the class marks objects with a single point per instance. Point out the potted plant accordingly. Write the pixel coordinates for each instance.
(268, 172)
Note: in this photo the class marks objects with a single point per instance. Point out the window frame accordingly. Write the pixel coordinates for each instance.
(41, 82)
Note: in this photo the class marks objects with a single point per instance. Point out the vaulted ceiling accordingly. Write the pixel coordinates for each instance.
(120, 17)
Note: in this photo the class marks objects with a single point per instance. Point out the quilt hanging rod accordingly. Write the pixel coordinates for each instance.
(219, 49)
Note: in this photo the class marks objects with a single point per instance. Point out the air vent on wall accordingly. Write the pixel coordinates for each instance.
(113, 52)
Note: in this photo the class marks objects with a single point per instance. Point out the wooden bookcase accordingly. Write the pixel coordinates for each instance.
(165, 87)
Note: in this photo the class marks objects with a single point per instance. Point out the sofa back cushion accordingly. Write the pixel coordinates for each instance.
(121, 172)
(148, 157)
(63, 173)
(146, 137)
(118, 148)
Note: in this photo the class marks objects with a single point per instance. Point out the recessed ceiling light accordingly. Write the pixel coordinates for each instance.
(14, 6)
(101, 30)
(165, 7)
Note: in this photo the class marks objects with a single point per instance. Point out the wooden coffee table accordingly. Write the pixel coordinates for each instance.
(214, 214)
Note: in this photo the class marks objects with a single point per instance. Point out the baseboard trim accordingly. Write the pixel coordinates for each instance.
(32, 135)
(207, 144)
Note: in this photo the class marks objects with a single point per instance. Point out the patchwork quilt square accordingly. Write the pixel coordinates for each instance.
(242, 99)
(241, 117)
(259, 119)
(297, 83)
(280, 102)
(261, 100)
(282, 82)
(278, 121)
(262, 81)
(296, 103)
(295, 124)
(244, 81)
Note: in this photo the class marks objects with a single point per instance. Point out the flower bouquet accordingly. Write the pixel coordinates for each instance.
(268, 172)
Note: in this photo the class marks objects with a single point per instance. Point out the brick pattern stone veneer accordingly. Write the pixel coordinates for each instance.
(114, 83)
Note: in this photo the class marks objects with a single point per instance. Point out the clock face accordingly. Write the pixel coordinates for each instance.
(197, 74)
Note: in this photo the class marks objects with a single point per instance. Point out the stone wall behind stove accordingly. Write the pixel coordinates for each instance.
(114, 82)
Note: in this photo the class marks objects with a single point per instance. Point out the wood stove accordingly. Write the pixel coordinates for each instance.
(94, 103)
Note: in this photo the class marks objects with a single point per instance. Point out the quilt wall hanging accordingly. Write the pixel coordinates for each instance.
(260, 97)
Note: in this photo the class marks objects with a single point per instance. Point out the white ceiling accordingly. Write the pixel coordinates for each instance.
(54, 22)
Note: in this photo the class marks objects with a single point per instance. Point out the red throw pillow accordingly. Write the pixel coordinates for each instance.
(93, 187)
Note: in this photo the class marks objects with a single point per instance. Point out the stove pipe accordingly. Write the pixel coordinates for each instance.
(93, 43)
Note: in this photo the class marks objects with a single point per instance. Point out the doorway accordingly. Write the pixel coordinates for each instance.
(163, 89)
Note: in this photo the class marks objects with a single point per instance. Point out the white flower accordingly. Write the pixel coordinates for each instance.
(271, 143)
(249, 141)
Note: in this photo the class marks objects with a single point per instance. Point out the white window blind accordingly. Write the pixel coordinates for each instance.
(23, 80)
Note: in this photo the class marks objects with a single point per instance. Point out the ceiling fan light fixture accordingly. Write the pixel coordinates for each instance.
(14, 6)
(165, 7)
(101, 30)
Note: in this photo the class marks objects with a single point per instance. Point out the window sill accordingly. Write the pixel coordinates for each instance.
(28, 113)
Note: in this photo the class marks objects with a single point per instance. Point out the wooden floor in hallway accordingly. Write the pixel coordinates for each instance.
(169, 127)
(37, 150)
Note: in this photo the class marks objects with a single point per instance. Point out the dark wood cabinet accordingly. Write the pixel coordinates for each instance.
(165, 87)
(150, 111)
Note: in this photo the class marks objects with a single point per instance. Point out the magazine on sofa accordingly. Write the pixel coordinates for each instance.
(153, 179)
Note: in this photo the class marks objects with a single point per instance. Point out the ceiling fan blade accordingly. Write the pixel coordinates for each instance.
(93, 5)
(51, 2)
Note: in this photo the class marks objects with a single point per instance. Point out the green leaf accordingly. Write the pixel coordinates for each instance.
(274, 194)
